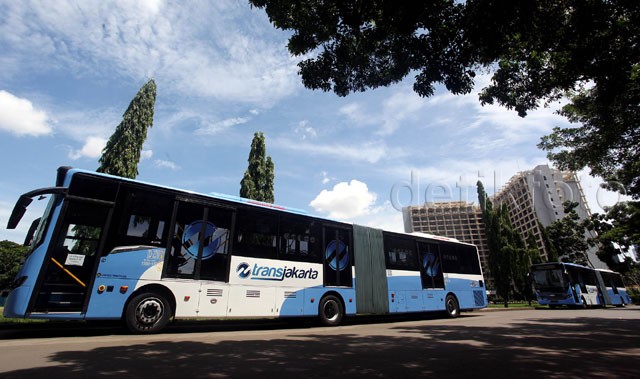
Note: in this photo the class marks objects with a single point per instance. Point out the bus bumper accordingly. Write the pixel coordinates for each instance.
(16, 304)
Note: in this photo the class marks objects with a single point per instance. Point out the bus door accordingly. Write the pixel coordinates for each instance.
(431, 272)
(199, 252)
(68, 271)
(337, 257)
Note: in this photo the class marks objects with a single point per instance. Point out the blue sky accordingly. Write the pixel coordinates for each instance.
(68, 71)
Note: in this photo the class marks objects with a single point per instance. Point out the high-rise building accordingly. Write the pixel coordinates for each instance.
(457, 219)
(535, 199)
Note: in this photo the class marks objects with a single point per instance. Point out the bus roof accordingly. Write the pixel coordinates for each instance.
(214, 195)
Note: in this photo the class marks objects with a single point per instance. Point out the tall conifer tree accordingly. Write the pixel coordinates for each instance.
(122, 154)
(509, 259)
(257, 183)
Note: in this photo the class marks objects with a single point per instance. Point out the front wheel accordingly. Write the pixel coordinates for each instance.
(147, 312)
(330, 311)
(451, 306)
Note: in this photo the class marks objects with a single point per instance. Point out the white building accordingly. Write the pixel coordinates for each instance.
(535, 199)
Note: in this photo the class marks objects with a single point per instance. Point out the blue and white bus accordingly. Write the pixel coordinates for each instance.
(112, 248)
(574, 285)
(614, 290)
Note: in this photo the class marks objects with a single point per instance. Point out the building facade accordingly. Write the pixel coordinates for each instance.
(535, 200)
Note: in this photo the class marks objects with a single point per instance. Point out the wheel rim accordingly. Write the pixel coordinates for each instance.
(451, 307)
(149, 311)
(331, 310)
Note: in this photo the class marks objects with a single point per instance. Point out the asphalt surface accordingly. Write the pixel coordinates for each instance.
(541, 343)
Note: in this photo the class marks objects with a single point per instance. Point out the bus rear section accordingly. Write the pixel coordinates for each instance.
(614, 290)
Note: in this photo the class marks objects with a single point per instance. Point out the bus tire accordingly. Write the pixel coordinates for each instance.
(330, 311)
(452, 308)
(584, 303)
(147, 312)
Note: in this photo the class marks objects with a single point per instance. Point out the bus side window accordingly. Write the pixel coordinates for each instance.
(400, 253)
(300, 240)
(256, 234)
(143, 218)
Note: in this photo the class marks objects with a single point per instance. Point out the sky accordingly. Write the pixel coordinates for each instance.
(68, 71)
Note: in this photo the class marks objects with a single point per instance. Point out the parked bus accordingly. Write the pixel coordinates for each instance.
(574, 285)
(112, 248)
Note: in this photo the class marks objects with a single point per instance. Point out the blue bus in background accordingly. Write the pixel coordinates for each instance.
(569, 284)
(109, 248)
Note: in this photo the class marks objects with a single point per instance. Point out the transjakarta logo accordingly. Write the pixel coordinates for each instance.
(258, 272)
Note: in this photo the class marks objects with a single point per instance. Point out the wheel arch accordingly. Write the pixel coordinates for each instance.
(338, 296)
(155, 288)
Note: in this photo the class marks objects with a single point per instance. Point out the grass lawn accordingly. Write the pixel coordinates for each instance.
(515, 305)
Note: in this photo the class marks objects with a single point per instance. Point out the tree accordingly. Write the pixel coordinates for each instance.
(618, 232)
(538, 51)
(257, 183)
(11, 255)
(567, 236)
(509, 259)
(121, 155)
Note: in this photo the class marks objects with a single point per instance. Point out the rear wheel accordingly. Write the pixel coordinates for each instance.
(330, 311)
(451, 306)
(148, 312)
(584, 303)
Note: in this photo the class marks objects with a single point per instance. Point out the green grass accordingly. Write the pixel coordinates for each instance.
(515, 305)
(4, 320)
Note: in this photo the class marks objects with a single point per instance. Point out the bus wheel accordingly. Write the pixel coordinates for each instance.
(452, 307)
(584, 303)
(330, 311)
(147, 312)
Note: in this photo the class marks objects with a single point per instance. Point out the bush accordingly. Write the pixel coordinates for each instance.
(11, 255)
(634, 294)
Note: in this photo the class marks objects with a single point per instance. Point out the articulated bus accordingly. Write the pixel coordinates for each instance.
(577, 286)
(109, 248)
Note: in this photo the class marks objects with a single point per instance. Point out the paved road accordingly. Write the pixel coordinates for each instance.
(597, 343)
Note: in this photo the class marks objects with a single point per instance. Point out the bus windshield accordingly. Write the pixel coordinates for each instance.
(33, 239)
(547, 280)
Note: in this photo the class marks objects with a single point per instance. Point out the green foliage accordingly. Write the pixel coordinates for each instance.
(618, 231)
(539, 51)
(369, 44)
(509, 257)
(11, 255)
(567, 236)
(257, 183)
(121, 155)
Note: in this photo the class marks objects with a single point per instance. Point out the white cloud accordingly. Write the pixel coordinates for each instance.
(305, 130)
(401, 107)
(92, 148)
(220, 126)
(345, 201)
(325, 177)
(205, 49)
(19, 117)
(384, 217)
(146, 154)
(161, 163)
(370, 152)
